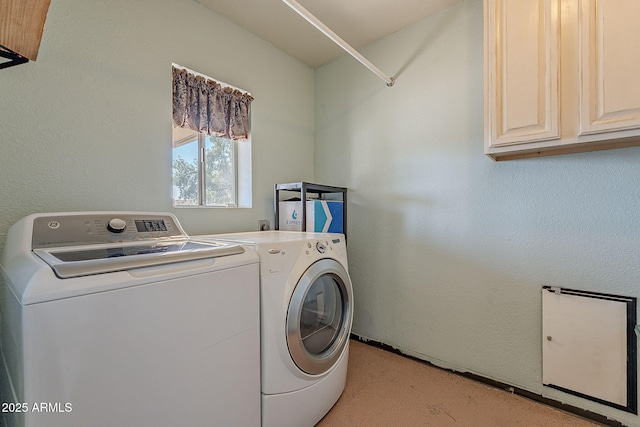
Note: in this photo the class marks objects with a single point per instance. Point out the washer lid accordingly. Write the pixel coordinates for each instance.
(83, 261)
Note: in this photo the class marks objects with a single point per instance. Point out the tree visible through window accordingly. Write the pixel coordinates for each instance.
(204, 170)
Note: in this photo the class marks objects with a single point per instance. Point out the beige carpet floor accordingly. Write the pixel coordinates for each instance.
(386, 389)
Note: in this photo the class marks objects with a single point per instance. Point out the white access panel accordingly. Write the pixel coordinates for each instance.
(584, 345)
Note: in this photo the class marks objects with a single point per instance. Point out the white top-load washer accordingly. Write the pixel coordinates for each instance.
(119, 319)
(307, 311)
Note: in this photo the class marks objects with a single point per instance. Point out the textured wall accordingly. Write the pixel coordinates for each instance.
(88, 126)
(448, 250)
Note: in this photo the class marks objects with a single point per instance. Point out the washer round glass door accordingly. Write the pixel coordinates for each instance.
(319, 317)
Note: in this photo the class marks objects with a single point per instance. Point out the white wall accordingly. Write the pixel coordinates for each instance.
(449, 250)
(88, 125)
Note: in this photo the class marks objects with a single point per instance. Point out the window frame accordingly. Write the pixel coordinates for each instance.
(241, 163)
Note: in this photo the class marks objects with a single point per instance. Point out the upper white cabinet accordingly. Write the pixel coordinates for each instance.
(560, 76)
(521, 66)
(610, 34)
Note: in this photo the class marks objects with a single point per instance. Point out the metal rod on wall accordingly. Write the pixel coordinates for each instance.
(337, 40)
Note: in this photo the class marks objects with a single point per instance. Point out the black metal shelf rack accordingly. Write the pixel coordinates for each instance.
(304, 188)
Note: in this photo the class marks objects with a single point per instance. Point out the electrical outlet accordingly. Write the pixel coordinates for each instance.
(264, 225)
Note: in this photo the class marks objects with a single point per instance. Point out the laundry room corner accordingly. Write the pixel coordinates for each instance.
(486, 152)
(448, 249)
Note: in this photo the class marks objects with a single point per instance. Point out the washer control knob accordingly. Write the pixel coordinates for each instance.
(321, 247)
(116, 225)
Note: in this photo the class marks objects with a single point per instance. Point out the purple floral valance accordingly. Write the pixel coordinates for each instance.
(205, 106)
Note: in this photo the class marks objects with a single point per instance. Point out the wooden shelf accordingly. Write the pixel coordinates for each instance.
(22, 24)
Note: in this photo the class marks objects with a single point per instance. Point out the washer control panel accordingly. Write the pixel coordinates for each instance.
(88, 229)
(117, 225)
(334, 244)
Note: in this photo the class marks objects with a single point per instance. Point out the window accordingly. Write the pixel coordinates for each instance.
(211, 164)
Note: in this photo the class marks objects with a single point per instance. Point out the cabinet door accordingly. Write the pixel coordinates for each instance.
(521, 71)
(610, 98)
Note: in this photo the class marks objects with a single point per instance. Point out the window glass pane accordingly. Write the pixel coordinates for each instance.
(185, 167)
(220, 181)
(321, 316)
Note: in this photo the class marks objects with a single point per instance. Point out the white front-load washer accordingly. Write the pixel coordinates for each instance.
(307, 311)
(118, 319)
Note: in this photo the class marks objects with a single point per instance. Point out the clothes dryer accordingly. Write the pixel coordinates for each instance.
(306, 314)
